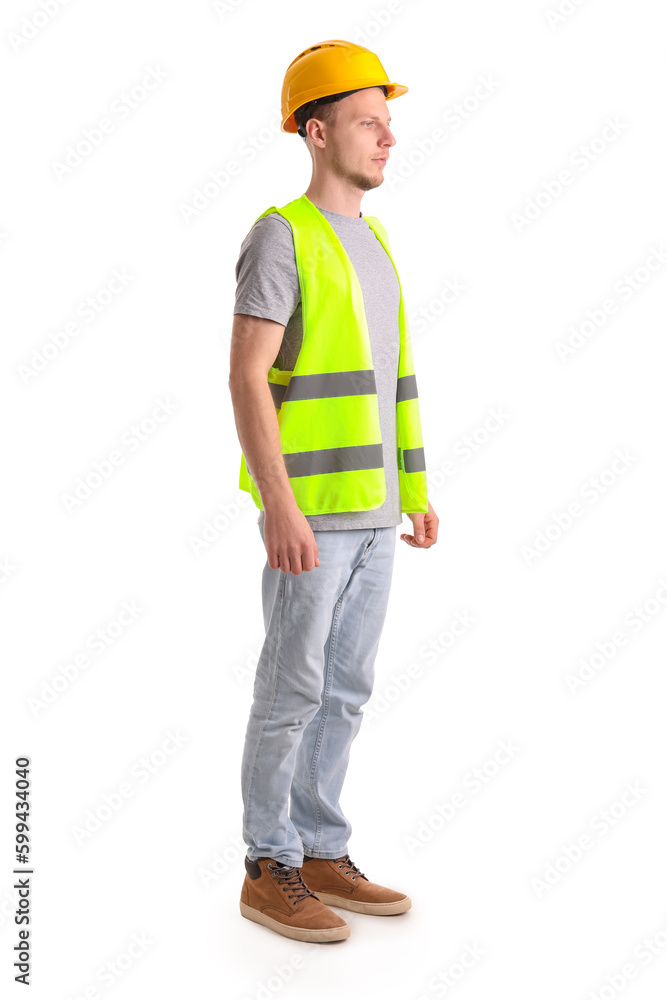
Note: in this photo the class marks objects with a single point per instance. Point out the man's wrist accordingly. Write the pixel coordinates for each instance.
(278, 497)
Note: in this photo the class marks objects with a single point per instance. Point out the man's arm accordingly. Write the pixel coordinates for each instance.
(289, 539)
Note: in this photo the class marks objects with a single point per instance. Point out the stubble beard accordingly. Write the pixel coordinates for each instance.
(365, 182)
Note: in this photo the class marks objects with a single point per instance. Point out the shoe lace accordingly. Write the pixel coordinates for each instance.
(292, 877)
(349, 866)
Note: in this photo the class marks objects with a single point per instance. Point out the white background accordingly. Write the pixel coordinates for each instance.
(494, 877)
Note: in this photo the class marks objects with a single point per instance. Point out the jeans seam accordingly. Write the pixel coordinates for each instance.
(253, 766)
(325, 713)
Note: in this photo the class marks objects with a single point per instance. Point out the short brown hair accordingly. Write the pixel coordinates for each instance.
(325, 111)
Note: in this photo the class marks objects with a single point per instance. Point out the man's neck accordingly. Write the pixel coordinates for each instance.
(342, 202)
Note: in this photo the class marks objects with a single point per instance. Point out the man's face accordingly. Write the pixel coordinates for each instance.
(357, 146)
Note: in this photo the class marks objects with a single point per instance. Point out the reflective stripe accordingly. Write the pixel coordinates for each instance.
(323, 460)
(278, 392)
(324, 385)
(406, 388)
(413, 459)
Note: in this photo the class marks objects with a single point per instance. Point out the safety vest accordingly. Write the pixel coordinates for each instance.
(327, 407)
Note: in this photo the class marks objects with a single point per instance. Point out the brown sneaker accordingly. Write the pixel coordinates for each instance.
(338, 882)
(279, 898)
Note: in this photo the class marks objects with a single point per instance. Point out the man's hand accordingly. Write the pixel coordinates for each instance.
(425, 528)
(289, 540)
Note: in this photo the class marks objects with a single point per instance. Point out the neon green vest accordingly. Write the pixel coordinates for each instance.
(327, 407)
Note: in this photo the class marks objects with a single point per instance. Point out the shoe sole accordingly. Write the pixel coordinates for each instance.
(316, 934)
(381, 909)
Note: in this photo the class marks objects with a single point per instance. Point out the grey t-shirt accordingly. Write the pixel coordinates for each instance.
(268, 287)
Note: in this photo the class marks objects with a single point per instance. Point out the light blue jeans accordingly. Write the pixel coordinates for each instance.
(315, 672)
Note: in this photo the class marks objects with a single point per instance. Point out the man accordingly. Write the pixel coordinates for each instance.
(326, 409)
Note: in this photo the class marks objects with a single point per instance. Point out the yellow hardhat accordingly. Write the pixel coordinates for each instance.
(332, 67)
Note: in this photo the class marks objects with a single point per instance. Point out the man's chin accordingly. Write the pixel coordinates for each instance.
(367, 183)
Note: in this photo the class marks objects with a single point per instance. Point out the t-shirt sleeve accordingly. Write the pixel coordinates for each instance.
(267, 282)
